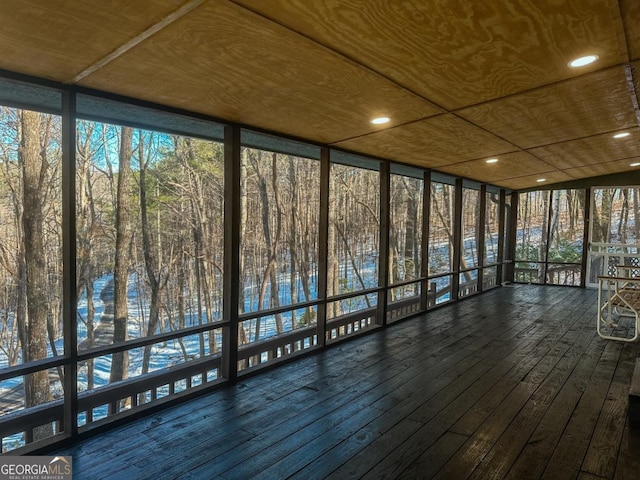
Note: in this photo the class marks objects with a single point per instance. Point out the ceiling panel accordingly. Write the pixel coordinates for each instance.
(604, 168)
(230, 63)
(630, 10)
(461, 80)
(587, 151)
(508, 166)
(57, 39)
(528, 181)
(581, 107)
(458, 53)
(436, 141)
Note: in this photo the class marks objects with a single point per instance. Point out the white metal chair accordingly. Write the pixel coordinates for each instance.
(619, 305)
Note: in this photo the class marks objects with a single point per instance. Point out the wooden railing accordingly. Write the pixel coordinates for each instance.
(403, 308)
(136, 393)
(277, 347)
(350, 324)
(556, 275)
(464, 289)
(118, 400)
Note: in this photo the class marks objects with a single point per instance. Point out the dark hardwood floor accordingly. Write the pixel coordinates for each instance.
(511, 384)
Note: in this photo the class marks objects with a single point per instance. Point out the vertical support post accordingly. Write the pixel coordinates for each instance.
(69, 306)
(501, 237)
(231, 273)
(482, 223)
(546, 247)
(383, 253)
(585, 236)
(323, 247)
(457, 239)
(512, 230)
(424, 247)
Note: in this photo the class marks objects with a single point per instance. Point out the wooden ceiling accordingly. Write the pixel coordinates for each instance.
(462, 81)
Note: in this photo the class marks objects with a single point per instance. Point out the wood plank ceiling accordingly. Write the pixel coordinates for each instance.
(462, 81)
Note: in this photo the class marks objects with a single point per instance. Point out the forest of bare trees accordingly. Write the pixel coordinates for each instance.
(149, 243)
(550, 231)
(149, 236)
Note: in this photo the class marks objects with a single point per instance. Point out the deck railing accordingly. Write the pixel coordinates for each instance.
(104, 404)
(350, 324)
(134, 394)
(276, 347)
(562, 274)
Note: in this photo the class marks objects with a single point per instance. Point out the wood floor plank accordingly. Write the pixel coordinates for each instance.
(601, 457)
(539, 384)
(533, 458)
(392, 465)
(337, 463)
(569, 453)
(499, 460)
(628, 465)
(430, 388)
(513, 383)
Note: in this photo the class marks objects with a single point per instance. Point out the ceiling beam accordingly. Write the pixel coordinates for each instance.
(138, 39)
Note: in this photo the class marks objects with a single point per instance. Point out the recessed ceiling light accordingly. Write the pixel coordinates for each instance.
(582, 61)
(636, 164)
(621, 135)
(492, 160)
(540, 180)
(380, 120)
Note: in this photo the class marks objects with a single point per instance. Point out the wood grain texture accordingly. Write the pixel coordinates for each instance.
(630, 11)
(233, 64)
(590, 150)
(581, 107)
(509, 165)
(433, 142)
(527, 181)
(476, 389)
(320, 70)
(606, 168)
(56, 39)
(601, 457)
(457, 53)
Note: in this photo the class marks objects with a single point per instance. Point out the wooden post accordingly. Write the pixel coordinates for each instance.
(323, 247)
(501, 229)
(383, 253)
(69, 305)
(457, 239)
(480, 240)
(231, 272)
(512, 230)
(585, 237)
(424, 248)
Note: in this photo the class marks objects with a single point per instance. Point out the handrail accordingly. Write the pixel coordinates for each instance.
(347, 318)
(33, 366)
(95, 352)
(275, 311)
(26, 419)
(133, 386)
(407, 282)
(347, 296)
(255, 348)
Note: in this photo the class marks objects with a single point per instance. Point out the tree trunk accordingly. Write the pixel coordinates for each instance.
(150, 259)
(333, 275)
(542, 251)
(36, 385)
(120, 360)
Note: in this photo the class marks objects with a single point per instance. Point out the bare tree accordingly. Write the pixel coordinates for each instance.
(34, 329)
(120, 360)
